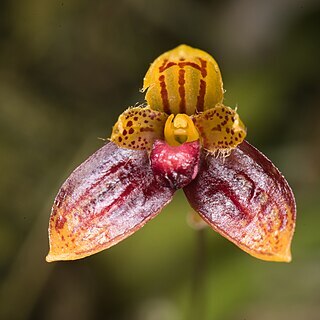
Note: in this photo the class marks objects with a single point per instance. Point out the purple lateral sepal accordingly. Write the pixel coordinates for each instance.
(245, 198)
(106, 199)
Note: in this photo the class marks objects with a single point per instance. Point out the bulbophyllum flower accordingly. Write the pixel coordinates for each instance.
(182, 137)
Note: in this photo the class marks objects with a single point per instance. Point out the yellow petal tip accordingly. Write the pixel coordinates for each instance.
(50, 258)
(282, 256)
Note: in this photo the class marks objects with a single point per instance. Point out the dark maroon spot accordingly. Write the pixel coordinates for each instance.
(217, 128)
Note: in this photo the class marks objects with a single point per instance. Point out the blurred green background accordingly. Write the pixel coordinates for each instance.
(68, 69)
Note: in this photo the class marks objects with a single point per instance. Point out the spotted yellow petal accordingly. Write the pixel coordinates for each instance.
(183, 80)
(220, 129)
(137, 128)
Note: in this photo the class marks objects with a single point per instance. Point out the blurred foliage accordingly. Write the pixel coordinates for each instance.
(67, 69)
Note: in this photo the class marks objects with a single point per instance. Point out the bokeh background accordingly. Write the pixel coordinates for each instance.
(67, 69)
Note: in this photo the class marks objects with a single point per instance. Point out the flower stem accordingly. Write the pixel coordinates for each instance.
(197, 305)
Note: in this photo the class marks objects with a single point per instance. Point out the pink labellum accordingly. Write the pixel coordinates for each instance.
(175, 167)
(106, 199)
(246, 199)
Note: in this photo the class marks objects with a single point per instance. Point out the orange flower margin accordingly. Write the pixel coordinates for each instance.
(183, 137)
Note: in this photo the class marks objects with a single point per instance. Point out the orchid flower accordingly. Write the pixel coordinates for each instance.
(181, 137)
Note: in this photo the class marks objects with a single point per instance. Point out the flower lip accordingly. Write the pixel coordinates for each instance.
(175, 166)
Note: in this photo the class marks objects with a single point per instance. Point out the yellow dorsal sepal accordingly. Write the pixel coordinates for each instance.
(183, 80)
